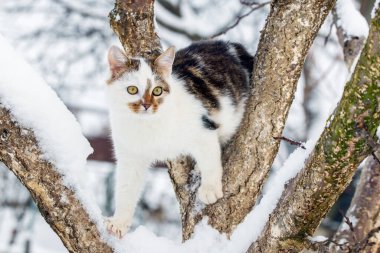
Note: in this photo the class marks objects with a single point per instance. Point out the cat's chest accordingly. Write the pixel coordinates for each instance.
(163, 138)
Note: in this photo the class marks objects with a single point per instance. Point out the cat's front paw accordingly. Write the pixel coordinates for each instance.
(210, 193)
(117, 226)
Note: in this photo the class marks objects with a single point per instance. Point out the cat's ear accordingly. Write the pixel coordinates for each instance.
(116, 60)
(164, 63)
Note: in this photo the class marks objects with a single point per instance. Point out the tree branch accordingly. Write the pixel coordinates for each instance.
(133, 23)
(239, 18)
(330, 167)
(66, 216)
(364, 208)
(290, 29)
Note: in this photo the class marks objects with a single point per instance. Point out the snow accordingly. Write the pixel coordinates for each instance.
(35, 105)
(378, 132)
(318, 238)
(350, 19)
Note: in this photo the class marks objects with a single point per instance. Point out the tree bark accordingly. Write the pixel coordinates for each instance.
(345, 142)
(133, 23)
(289, 31)
(364, 211)
(57, 203)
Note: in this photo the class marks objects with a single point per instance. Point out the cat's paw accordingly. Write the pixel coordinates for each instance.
(210, 193)
(117, 226)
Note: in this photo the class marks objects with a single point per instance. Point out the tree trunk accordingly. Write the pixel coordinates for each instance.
(57, 203)
(133, 22)
(289, 31)
(364, 212)
(345, 142)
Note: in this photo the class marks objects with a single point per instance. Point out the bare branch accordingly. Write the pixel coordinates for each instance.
(292, 142)
(239, 18)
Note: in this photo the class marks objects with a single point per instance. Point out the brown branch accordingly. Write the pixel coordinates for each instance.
(365, 207)
(292, 142)
(330, 167)
(285, 41)
(20, 153)
(133, 23)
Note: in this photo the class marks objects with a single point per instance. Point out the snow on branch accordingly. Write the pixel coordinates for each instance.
(352, 29)
(34, 105)
(343, 145)
(42, 144)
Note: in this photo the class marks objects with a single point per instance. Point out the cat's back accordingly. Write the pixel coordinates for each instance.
(212, 69)
(218, 74)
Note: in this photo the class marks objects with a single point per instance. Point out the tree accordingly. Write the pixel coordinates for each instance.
(288, 34)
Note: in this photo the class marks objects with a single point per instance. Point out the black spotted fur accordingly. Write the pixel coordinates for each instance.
(214, 68)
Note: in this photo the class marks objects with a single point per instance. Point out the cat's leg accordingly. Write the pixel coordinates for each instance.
(130, 177)
(208, 158)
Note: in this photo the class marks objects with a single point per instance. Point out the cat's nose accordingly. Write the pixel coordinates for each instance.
(146, 105)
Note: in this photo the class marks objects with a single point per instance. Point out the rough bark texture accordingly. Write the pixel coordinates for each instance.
(57, 203)
(133, 22)
(290, 29)
(364, 211)
(344, 143)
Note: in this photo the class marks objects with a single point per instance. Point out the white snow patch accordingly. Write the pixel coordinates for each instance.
(378, 129)
(350, 19)
(319, 238)
(34, 105)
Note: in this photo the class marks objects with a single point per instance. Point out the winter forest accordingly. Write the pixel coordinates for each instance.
(301, 174)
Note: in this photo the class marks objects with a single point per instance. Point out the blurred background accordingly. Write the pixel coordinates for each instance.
(67, 41)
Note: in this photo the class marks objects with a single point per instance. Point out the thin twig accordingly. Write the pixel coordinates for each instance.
(239, 18)
(347, 221)
(292, 142)
(361, 245)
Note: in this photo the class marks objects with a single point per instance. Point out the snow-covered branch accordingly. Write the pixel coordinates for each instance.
(42, 145)
(284, 43)
(342, 146)
(351, 28)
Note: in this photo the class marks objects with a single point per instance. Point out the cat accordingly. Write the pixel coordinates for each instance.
(188, 102)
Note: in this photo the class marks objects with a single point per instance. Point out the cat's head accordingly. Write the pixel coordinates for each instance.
(139, 86)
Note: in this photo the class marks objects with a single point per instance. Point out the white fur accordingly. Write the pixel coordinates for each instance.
(176, 128)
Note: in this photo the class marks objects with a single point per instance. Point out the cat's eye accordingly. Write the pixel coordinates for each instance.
(132, 90)
(157, 91)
